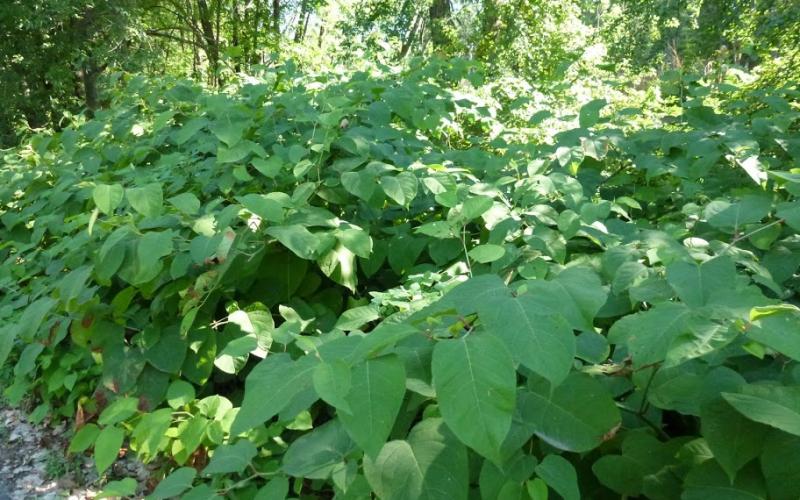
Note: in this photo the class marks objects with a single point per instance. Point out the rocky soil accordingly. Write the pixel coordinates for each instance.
(34, 465)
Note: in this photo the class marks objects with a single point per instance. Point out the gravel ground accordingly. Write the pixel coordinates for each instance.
(33, 465)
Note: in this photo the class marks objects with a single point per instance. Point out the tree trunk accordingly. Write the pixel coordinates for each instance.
(210, 46)
(439, 14)
(276, 16)
(321, 34)
(235, 42)
(298, 32)
(409, 41)
(89, 74)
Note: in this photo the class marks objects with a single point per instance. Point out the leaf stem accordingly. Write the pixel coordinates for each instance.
(739, 238)
(466, 252)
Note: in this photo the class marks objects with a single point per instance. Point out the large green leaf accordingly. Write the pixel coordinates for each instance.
(560, 475)
(475, 384)
(296, 238)
(779, 331)
(270, 387)
(107, 197)
(376, 393)
(316, 454)
(576, 416)
(430, 464)
(576, 293)
(780, 463)
(734, 439)
(696, 284)
(642, 457)
(107, 446)
(231, 458)
(174, 484)
(773, 405)
(148, 200)
(708, 481)
(590, 112)
(540, 342)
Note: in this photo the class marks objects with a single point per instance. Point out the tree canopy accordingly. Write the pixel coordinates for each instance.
(388, 249)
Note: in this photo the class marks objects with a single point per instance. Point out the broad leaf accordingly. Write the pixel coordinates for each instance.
(475, 383)
(270, 387)
(773, 405)
(376, 393)
(576, 416)
(430, 464)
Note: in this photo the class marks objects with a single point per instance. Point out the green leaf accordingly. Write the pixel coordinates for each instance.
(189, 130)
(732, 438)
(779, 331)
(316, 454)
(790, 212)
(191, 433)
(543, 343)
(773, 405)
(119, 411)
(375, 396)
(332, 381)
(106, 447)
(355, 318)
(697, 284)
(187, 203)
(537, 489)
(116, 489)
(173, 485)
(475, 383)
(26, 327)
(476, 206)
(357, 241)
(84, 438)
(230, 132)
(270, 167)
(297, 153)
(575, 292)
(648, 335)
(235, 153)
(152, 246)
(231, 458)
(708, 481)
(107, 197)
(263, 206)
(431, 464)
(437, 229)
(296, 238)
(401, 188)
(201, 492)
(642, 457)
(487, 253)
(560, 475)
(360, 184)
(276, 489)
(750, 210)
(575, 416)
(270, 387)
(590, 112)
(148, 200)
(149, 433)
(169, 352)
(780, 463)
(180, 393)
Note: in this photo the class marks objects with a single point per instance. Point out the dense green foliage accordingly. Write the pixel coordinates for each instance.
(297, 249)
(58, 57)
(381, 283)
